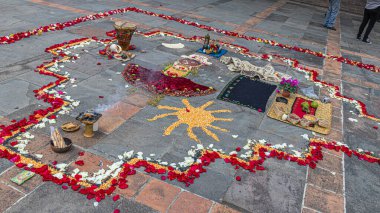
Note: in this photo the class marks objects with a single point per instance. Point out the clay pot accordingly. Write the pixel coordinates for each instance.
(285, 93)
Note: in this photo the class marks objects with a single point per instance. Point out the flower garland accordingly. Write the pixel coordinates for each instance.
(12, 38)
(188, 171)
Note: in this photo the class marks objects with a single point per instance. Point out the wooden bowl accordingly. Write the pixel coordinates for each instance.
(70, 130)
(68, 143)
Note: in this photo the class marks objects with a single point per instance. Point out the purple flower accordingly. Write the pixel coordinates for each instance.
(295, 82)
(277, 90)
(289, 81)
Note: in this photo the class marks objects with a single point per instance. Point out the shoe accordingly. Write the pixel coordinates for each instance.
(359, 37)
(367, 41)
(331, 28)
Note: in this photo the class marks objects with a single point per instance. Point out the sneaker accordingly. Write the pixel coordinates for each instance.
(359, 37)
(367, 41)
(331, 28)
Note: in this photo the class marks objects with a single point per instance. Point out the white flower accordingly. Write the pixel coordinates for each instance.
(96, 204)
(39, 156)
(28, 135)
(83, 174)
(233, 153)
(52, 121)
(189, 161)
(58, 175)
(235, 136)
(353, 120)
(296, 153)
(211, 145)
(61, 166)
(191, 153)
(128, 155)
(75, 103)
(75, 171)
(200, 146)
(305, 136)
(262, 141)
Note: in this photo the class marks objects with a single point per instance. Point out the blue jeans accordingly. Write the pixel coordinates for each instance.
(332, 12)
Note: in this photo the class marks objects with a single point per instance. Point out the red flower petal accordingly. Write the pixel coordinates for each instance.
(54, 163)
(238, 178)
(79, 162)
(163, 177)
(14, 143)
(116, 198)
(116, 211)
(75, 187)
(123, 186)
(376, 127)
(101, 96)
(238, 149)
(99, 63)
(64, 187)
(260, 110)
(81, 153)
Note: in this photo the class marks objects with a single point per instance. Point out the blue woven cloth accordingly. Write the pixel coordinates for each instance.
(218, 55)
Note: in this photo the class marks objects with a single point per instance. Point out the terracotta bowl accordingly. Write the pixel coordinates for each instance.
(68, 143)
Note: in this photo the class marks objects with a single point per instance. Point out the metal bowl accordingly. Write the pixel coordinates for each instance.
(68, 143)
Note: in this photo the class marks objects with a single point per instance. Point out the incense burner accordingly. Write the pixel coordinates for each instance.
(88, 119)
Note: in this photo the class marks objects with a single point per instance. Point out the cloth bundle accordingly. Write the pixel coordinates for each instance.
(266, 73)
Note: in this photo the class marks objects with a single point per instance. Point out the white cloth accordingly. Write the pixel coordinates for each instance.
(266, 73)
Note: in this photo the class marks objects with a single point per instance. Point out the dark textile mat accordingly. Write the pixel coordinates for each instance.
(246, 92)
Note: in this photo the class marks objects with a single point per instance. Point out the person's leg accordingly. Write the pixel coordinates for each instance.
(372, 21)
(335, 6)
(328, 14)
(364, 23)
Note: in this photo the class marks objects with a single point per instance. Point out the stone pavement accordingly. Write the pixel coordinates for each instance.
(338, 183)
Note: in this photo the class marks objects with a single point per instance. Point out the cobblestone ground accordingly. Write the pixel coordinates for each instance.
(338, 183)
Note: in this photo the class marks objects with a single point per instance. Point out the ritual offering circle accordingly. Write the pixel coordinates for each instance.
(124, 32)
(62, 149)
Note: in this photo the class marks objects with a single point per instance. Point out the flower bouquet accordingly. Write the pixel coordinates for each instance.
(288, 86)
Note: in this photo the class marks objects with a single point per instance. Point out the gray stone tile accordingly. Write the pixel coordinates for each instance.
(277, 189)
(16, 88)
(51, 198)
(4, 165)
(361, 185)
(277, 18)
